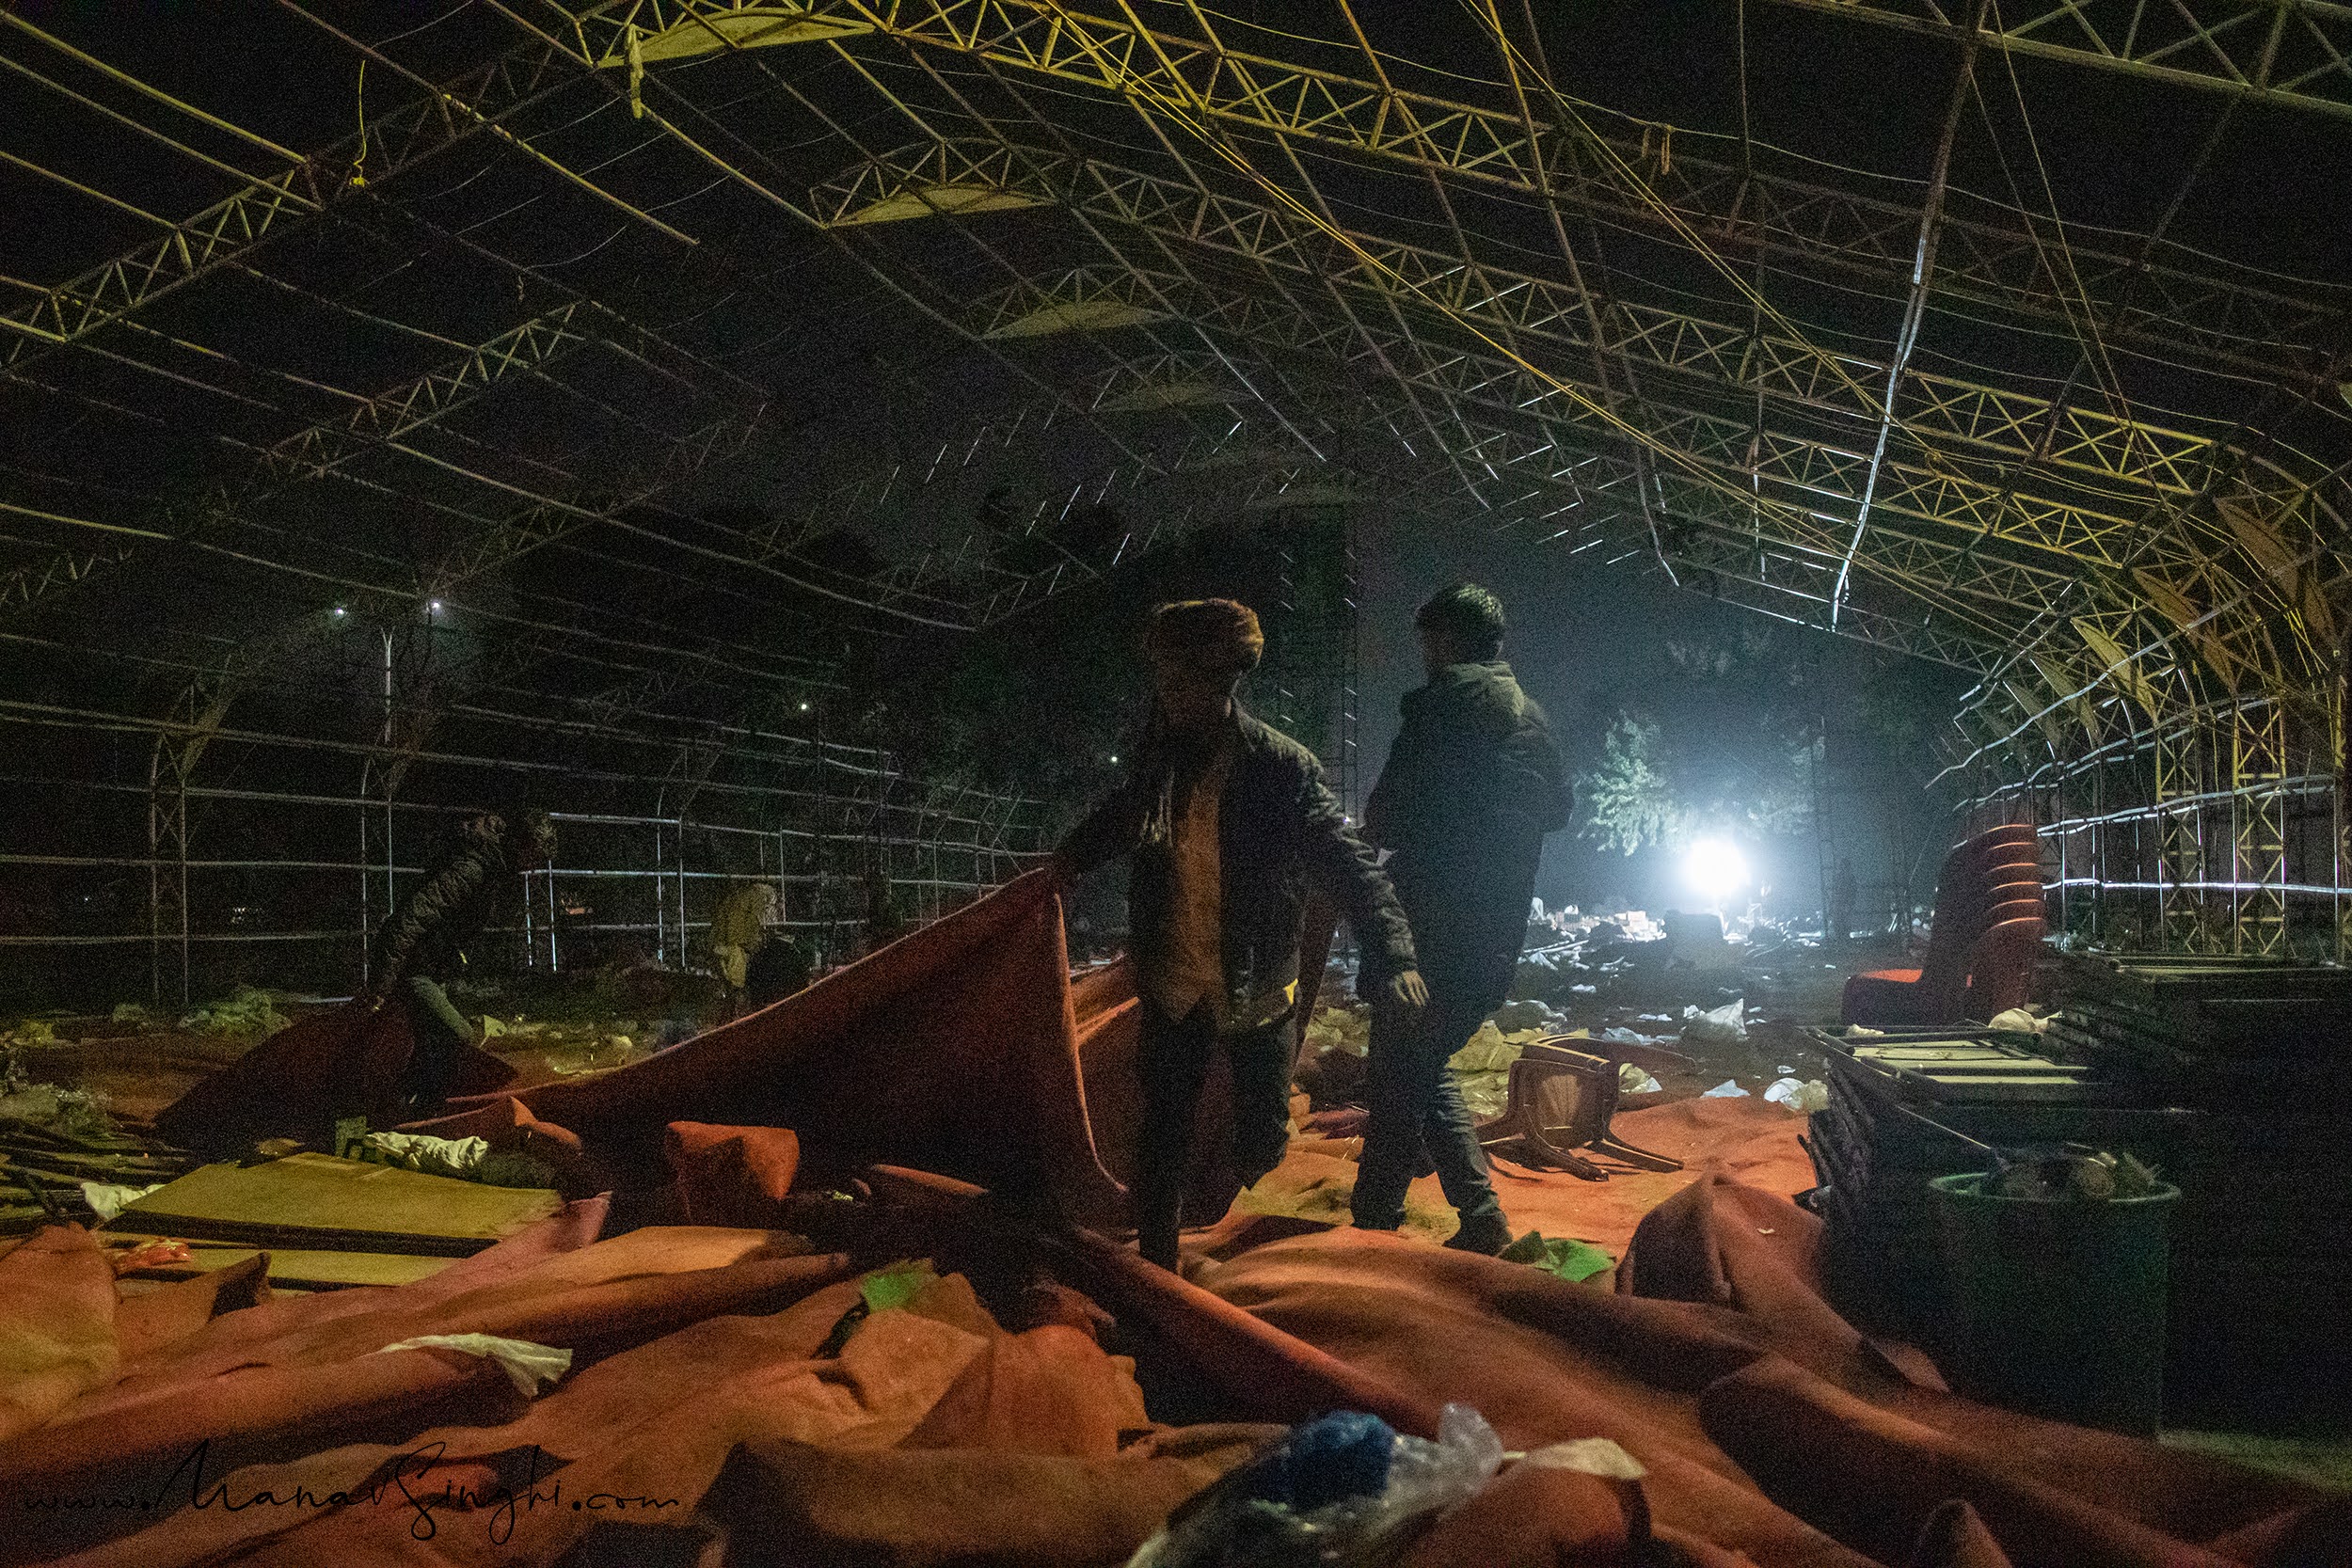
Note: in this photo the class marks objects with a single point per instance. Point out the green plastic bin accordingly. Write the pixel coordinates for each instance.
(2058, 1309)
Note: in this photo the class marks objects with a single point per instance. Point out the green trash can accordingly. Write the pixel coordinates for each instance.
(2057, 1307)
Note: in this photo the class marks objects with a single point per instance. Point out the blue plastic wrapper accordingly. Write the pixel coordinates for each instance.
(1341, 1491)
(1345, 1455)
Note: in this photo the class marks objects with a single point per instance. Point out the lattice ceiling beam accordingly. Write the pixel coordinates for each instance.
(2294, 53)
(374, 424)
(2173, 304)
(1806, 474)
(229, 229)
(2108, 471)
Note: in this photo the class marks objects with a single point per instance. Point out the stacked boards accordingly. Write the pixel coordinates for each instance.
(2228, 1076)
(2259, 1052)
(1908, 1106)
(328, 1223)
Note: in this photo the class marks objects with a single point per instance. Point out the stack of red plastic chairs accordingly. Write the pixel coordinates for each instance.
(1981, 948)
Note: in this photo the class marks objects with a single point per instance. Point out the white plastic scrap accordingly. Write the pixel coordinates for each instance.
(107, 1198)
(529, 1365)
(1592, 1456)
(1718, 1025)
(1799, 1095)
(1728, 1089)
(2018, 1021)
(465, 1159)
(422, 1152)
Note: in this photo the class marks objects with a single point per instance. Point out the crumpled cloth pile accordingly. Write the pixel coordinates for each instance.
(725, 1387)
(1769, 1431)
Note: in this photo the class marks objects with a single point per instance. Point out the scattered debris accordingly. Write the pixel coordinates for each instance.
(1347, 1029)
(1572, 1261)
(1728, 1089)
(1722, 1025)
(467, 1159)
(532, 1367)
(76, 1113)
(108, 1198)
(248, 1013)
(1634, 1080)
(1803, 1096)
(2071, 1173)
(1592, 1456)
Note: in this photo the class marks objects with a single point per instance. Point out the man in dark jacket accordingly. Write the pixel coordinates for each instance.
(421, 947)
(1226, 820)
(1471, 787)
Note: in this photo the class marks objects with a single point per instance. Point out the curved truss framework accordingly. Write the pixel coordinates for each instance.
(1168, 269)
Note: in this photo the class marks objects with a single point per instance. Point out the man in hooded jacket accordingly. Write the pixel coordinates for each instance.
(1472, 785)
(421, 946)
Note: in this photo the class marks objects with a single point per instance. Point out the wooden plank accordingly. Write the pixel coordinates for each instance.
(301, 1268)
(315, 1202)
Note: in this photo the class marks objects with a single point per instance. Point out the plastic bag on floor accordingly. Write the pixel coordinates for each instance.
(1799, 1095)
(1633, 1080)
(1728, 1089)
(107, 1199)
(1340, 1492)
(1722, 1025)
(529, 1366)
(465, 1159)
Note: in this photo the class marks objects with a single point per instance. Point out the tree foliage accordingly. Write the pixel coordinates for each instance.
(1720, 744)
(1629, 799)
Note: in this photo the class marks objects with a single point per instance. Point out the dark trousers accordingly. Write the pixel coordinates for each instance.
(440, 1034)
(1173, 1061)
(1416, 1103)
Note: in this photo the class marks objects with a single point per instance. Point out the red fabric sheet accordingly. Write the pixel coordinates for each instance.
(1772, 1432)
(1770, 1428)
(1018, 1446)
(291, 1084)
(955, 1048)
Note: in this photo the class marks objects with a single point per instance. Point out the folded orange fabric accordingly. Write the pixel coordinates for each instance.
(954, 1048)
(732, 1175)
(56, 1324)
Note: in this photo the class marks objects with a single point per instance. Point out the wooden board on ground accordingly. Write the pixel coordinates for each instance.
(315, 1202)
(299, 1268)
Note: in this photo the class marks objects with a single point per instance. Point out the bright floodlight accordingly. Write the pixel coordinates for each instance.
(1715, 868)
(435, 607)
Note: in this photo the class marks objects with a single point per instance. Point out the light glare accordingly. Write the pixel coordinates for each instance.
(1715, 869)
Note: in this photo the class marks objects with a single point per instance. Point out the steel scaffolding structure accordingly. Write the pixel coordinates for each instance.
(631, 365)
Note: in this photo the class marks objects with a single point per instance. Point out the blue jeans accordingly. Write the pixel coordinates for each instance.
(1416, 1102)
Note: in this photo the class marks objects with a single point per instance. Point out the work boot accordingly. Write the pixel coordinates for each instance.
(1486, 1233)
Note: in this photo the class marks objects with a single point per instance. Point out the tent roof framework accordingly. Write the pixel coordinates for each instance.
(597, 331)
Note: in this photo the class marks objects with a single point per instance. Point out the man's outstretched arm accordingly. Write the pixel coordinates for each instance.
(1344, 867)
(1105, 833)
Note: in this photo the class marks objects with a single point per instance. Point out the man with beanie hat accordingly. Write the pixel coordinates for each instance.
(1471, 787)
(1226, 820)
